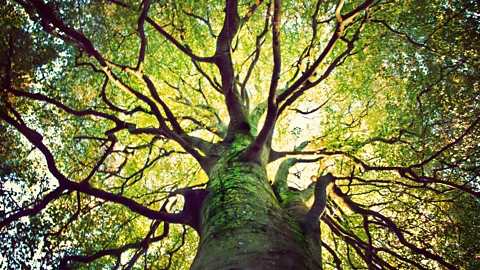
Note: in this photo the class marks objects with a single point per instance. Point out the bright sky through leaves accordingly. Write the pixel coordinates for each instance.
(111, 109)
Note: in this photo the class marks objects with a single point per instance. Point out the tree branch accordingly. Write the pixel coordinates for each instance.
(318, 207)
(112, 107)
(206, 21)
(393, 227)
(342, 21)
(177, 44)
(256, 53)
(47, 14)
(117, 252)
(280, 186)
(36, 209)
(141, 31)
(169, 37)
(306, 85)
(223, 60)
(64, 183)
(255, 149)
(336, 260)
(384, 23)
(250, 12)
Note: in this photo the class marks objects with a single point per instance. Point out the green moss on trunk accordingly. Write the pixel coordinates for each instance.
(243, 225)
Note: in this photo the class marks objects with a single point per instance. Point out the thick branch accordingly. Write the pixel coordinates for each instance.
(193, 203)
(256, 148)
(223, 60)
(280, 186)
(141, 31)
(320, 202)
(178, 135)
(280, 182)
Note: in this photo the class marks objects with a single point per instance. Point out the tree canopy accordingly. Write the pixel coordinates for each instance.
(110, 110)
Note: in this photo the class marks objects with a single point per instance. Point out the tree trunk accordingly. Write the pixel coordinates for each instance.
(243, 225)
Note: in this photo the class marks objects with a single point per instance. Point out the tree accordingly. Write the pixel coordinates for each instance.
(240, 135)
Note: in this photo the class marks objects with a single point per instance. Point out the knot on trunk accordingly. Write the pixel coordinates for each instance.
(193, 203)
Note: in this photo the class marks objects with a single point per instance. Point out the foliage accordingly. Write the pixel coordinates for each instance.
(110, 110)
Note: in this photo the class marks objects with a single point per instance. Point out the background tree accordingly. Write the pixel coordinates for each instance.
(177, 134)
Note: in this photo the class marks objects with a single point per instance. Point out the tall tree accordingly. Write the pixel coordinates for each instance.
(240, 134)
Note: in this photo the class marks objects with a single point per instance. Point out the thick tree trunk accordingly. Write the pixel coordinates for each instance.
(243, 225)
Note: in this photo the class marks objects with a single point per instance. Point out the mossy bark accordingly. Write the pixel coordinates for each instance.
(243, 225)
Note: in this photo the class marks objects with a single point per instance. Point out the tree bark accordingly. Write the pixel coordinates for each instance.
(243, 225)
